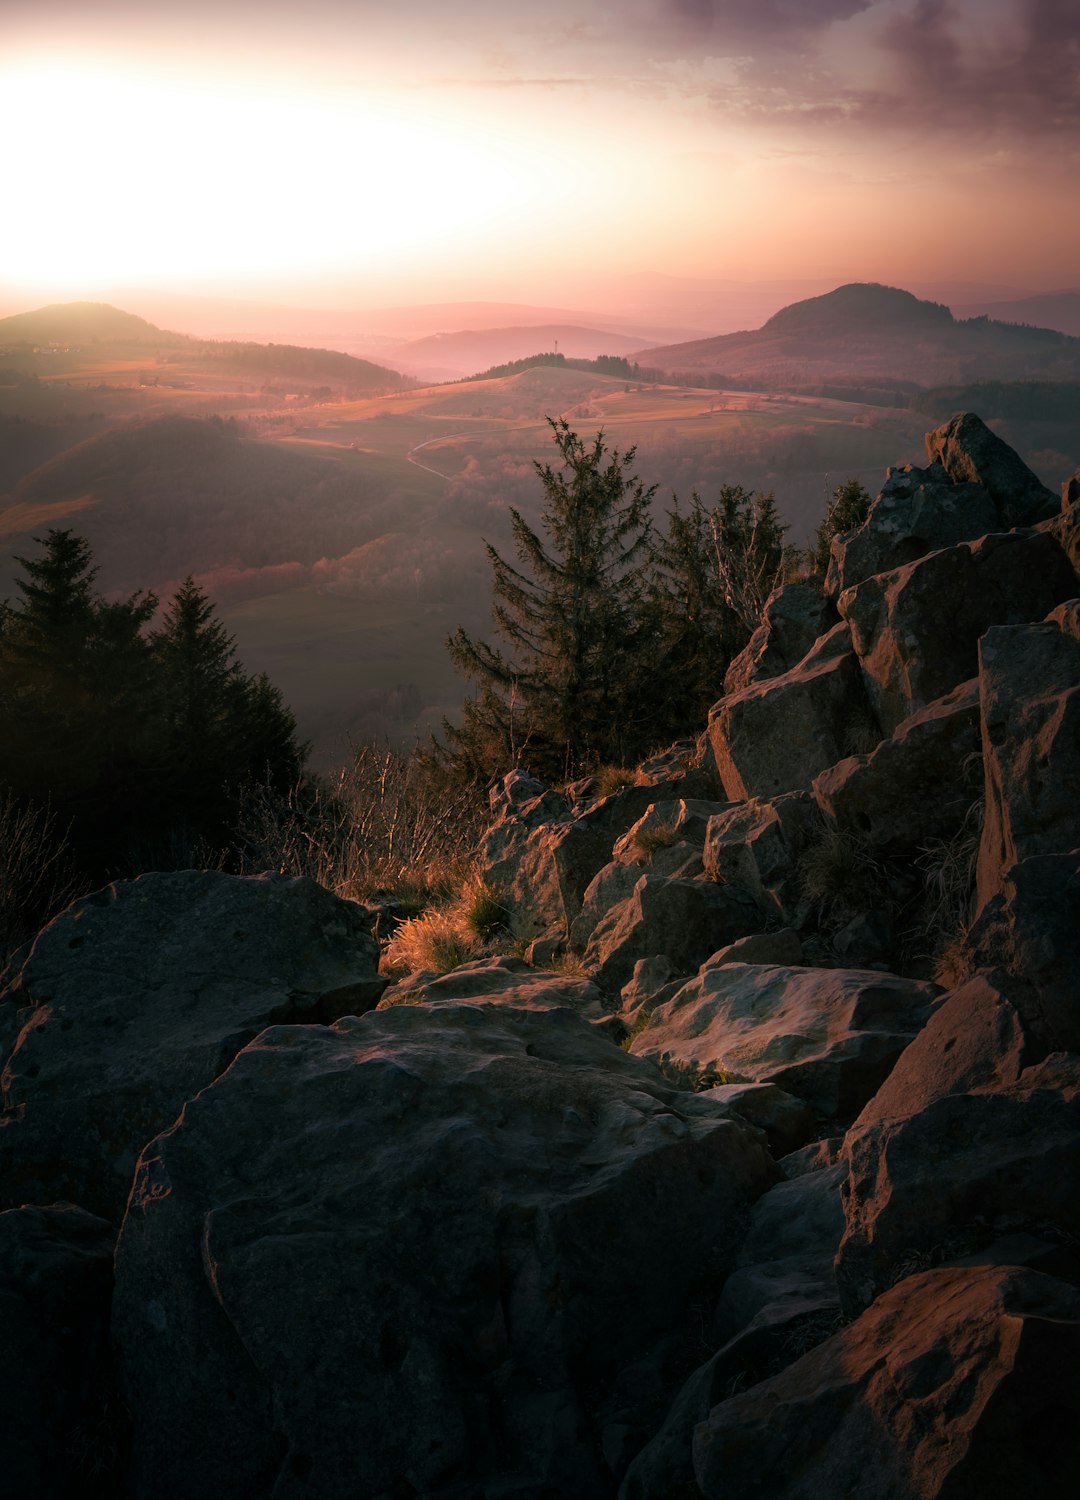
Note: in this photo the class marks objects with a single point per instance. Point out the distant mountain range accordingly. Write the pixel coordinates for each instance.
(450, 356)
(94, 326)
(1060, 310)
(877, 332)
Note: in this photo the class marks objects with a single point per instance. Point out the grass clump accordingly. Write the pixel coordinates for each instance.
(655, 836)
(611, 779)
(435, 941)
(483, 911)
(947, 868)
(841, 876)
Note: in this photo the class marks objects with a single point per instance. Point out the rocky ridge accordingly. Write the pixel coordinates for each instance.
(725, 1189)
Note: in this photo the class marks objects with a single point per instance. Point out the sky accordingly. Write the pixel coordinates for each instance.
(341, 151)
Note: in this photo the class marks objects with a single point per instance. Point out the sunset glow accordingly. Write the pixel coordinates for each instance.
(281, 149)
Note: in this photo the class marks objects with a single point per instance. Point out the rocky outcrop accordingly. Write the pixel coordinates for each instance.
(917, 511)
(58, 1436)
(1029, 694)
(916, 629)
(685, 920)
(504, 980)
(755, 846)
(918, 785)
(795, 615)
(957, 1382)
(137, 997)
(970, 453)
(1028, 934)
(416, 1251)
(829, 1036)
(819, 702)
(959, 1174)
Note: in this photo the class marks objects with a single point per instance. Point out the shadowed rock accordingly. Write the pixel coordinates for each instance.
(970, 453)
(137, 997)
(414, 1250)
(955, 1383)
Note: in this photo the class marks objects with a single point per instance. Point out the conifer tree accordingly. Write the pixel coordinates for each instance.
(564, 695)
(848, 509)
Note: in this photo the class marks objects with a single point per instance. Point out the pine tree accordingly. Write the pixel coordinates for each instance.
(565, 695)
(848, 509)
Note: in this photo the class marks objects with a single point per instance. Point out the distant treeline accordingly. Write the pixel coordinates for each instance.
(300, 362)
(603, 364)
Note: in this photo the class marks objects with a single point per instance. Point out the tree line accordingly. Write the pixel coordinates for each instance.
(137, 739)
(615, 633)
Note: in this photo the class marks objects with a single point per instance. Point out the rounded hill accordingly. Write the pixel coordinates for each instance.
(859, 305)
(79, 323)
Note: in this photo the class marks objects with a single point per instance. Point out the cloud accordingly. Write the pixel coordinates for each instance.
(769, 24)
(952, 70)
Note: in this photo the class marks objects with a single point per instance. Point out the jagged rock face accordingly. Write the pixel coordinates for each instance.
(818, 702)
(1029, 934)
(795, 615)
(755, 846)
(137, 997)
(969, 452)
(416, 1251)
(958, 1382)
(829, 1036)
(975, 1039)
(684, 919)
(918, 785)
(1029, 689)
(55, 1285)
(683, 820)
(963, 1171)
(542, 854)
(916, 630)
(917, 511)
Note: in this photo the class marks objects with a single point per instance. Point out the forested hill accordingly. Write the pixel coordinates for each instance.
(79, 324)
(876, 331)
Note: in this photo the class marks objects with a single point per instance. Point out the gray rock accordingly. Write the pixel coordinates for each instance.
(916, 630)
(975, 1039)
(779, 947)
(788, 1122)
(684, 919)
(139, 996)
(1029, 935)
(501, 980)
(918, 511)
(412, 1251)
(776, 736)
(829, 1036)
(795, 615)
(959, 1173)
(959, 1382)
(916, 787)
(1029, 693)
(755, 846)
(970, 453)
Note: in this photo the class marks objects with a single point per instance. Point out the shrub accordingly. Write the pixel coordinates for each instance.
(848, 509)
(38, 876)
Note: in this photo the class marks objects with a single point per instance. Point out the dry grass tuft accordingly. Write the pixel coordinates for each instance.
(841, 875)
(436, 941)
(656, 836)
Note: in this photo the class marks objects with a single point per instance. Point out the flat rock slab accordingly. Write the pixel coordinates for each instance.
(957, 1383)
(828, 1036)
(140, 995)
(412, 1252)
(503, 980)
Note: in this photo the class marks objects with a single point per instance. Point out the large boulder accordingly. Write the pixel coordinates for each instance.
(916, 630)
(667, 825)
(755, 846)
(1029, 691)
(962, 1172)
(795, 615)
(137, 997)
(685, 920)
(957, 1383)
(918, 785)
(970, 453)
(776, 736)
(829, 1036)
(975, 1039)
(1029, 935)
(58, 1437)
(917, 511)
(420, 1252)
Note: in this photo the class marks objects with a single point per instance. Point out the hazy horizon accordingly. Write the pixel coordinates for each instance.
(626, 161)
